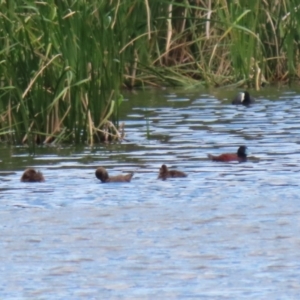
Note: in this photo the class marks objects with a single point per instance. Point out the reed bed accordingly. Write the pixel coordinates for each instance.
(223, 42)
(60, 72)
(63, 63)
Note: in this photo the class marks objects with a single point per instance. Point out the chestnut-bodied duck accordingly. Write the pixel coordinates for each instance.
(240, 155)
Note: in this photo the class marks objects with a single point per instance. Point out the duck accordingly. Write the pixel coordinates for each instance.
(102, 175)
(31, 175)
(243, 98)
(165, 173)
(240, 156)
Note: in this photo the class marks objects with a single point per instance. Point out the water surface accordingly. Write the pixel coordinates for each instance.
(227, 231)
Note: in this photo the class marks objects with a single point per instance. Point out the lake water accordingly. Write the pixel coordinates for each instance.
(227, 231)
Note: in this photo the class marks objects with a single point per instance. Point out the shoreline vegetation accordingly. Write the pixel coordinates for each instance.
(64, 63)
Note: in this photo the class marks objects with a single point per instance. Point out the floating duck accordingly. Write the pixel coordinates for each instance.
(240, 155)
(31, 175)
(164, 173)
(102, 175)
(243, 98)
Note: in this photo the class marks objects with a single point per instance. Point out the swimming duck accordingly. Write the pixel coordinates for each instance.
(240, 155)
(31, 175)
(102, 175)
(164, 173)
(243, 98)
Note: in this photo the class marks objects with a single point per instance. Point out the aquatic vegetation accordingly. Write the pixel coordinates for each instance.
(214, 43)
(61, 72)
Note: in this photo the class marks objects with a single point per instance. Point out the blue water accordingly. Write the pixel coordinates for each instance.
(227, 231)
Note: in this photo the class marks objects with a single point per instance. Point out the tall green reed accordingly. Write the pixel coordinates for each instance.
(220, 42)
(61, 71)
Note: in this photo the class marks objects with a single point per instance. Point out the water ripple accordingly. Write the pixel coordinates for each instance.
(227, 231)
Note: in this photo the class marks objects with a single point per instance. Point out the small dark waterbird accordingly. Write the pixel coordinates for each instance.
(243, 98)
(31, 175)
(102, 175)
(165, 173)
(240, 156)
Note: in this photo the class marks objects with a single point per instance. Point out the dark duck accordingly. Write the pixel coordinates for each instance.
(243, 98)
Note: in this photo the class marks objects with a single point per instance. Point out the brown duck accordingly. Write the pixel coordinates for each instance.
(164, 173)
(102, 175)
(31, 175)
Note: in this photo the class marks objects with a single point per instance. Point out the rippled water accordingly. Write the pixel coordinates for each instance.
(227, 231)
